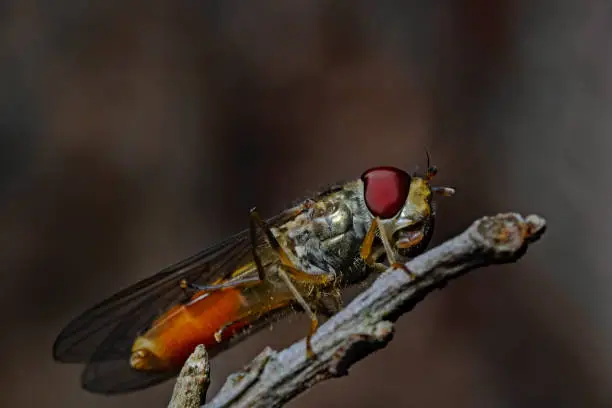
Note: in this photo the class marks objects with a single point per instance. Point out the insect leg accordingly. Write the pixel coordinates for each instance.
(253, 232)
(314, 321)
(385, 241)
(252, 281)
(219, 333)
(290, 268)
(389, 251)
(366, 248)
(366, 252)
(251, 315)
(254, 222)
(287, 267)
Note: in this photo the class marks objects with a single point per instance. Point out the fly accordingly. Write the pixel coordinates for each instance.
(297, 260)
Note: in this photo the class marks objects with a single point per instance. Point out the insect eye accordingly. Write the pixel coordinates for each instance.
(385, 190)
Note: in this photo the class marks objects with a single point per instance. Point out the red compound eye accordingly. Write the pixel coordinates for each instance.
(385, 190)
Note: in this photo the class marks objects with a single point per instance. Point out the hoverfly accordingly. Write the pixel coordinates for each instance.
(297, 260)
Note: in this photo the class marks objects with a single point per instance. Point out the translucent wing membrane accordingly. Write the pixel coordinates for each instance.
(117, 376)
(116, 321)
(102, 336)
(108, 370)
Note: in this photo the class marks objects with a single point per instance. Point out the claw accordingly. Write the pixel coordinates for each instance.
(397, 265)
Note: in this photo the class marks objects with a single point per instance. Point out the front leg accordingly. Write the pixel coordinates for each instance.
(367, 246)
(366, 251)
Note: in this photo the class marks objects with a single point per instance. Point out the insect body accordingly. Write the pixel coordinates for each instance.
(300, 259)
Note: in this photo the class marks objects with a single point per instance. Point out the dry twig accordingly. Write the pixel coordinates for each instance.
(193, 381)
(364, 326)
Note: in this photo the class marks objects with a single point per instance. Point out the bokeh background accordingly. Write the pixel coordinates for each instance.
(133, 134)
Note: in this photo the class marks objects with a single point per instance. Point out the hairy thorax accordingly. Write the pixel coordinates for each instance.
(326, 236)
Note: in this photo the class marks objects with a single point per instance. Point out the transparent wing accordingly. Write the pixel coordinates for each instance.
(131, 310)
(108, 369)
(102, 336)
(107, 330)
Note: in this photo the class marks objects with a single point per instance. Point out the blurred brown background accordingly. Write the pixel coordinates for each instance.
(133, 134)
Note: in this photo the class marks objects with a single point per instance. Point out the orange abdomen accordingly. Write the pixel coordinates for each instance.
(177, 332)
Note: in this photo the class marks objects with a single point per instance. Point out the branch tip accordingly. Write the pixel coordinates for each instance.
(193, 381)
